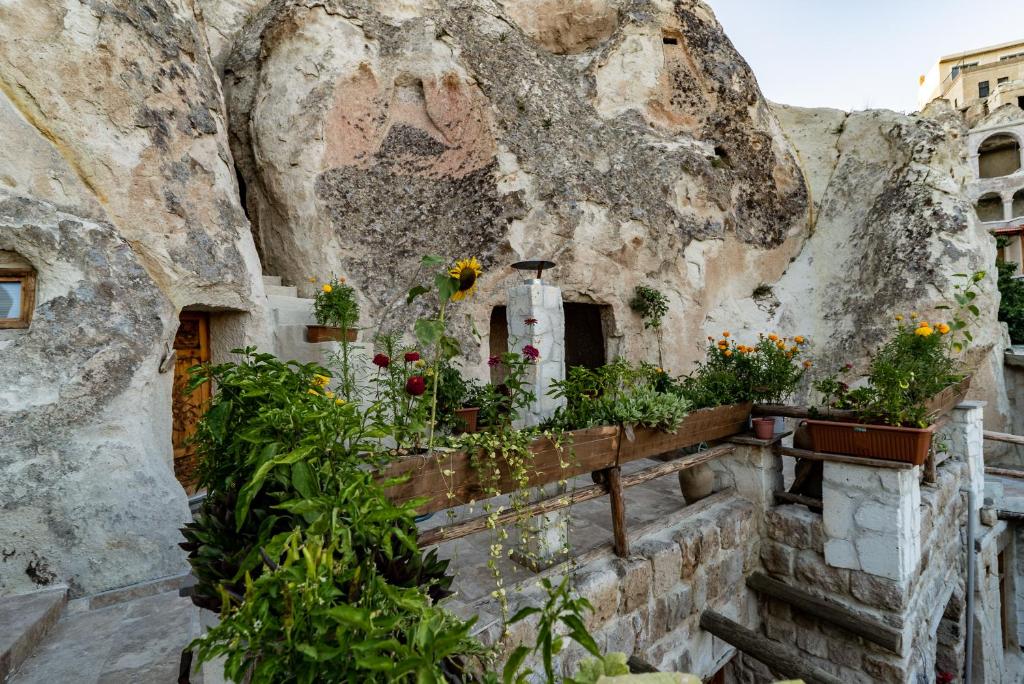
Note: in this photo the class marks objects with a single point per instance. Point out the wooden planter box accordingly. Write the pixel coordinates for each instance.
(328, 333)
(703, 425)
(885, 442)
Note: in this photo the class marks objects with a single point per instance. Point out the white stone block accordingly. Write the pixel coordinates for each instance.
(840, 553)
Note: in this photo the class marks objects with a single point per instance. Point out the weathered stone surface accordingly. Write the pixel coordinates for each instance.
(666, 563)
(367, 138)
(777, 558)
(116, 185)
(811, 568)
(635, 576)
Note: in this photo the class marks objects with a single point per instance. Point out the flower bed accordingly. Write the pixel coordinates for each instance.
(703, 425)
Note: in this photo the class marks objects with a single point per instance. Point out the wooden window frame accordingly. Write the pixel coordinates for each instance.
(27, 278)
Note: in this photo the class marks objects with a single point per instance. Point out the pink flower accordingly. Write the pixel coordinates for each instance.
(382, 360)
(493, 361)
(531, 352)
(531, 321)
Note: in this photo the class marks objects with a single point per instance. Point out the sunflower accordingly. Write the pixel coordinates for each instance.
(466, 271)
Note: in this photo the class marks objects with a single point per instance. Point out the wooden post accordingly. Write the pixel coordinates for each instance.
(784, 659)
(613, 481)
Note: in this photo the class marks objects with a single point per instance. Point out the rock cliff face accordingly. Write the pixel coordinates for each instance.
(116, 185)
(615, 144)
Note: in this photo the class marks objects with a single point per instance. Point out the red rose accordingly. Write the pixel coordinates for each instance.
(416, 385)
(382, 360)
(412, 357)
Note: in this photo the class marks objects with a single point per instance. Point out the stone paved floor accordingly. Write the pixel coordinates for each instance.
(135, 642)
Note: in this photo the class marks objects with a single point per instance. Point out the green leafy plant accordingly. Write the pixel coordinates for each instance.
(1011, 302)
(916, 363)
(336, 305)
(651, 304)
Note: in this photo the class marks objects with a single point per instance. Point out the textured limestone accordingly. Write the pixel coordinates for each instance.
(367, 138)
(116, 185)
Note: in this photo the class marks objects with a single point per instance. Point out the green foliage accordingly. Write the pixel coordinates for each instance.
(918, 362)
(651, 304)
(1011, 303)
(455, 392)
(618, 393)
(731, 373)
(335, 304)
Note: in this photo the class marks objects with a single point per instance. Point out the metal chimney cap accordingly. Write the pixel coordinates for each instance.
(538, 265)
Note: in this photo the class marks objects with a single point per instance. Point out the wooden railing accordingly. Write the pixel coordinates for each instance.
(449, 479)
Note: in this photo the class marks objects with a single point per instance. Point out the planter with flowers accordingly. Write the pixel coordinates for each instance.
(336, 311)
(914, 379)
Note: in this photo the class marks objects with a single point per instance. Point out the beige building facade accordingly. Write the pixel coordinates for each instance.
(994, 74)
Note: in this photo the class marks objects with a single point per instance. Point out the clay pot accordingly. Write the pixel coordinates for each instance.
(467, 418)
(697, 482)
(764, 428)
(329, 333)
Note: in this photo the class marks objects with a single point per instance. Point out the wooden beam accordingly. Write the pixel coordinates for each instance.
(1003, 437)
(1014, 516)
(613, 481)
(1004, 472)
(639, 665)
(789, 497)
(842, 458)
(787, 411)
(780, 657)
(839, 615)
(675, 465)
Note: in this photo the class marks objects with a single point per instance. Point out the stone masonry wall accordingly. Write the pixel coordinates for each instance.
(649, 604)
(794, 552)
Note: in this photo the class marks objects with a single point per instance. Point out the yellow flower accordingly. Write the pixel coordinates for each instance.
(780, 344)
(658, 370)
(913, 314)
(923, 331)
(899, 317)
(725, 333)
(728, 352)
(327, 287)
(329, 394)
(943, 328)
(799, 339)
(339, 402)
(320, 380)
(773, 337)
(466, 271)
(313, 392)
(311, 279)
(420, 363)
(807, 364)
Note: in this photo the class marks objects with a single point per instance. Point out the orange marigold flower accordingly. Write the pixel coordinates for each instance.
(773, 337)
(899, 317)
(807, 364)
(725, 333)
(923, 331)
(789, 355)
(799, 339)
(780, 344)
(728, 352)
(943, 328)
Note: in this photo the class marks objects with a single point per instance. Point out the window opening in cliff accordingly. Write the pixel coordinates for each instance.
(17, 291)
(1020, 101)
(990, 207)
(1018, 204)
(983, 89)
(242, 192)
(669, 40)
(998, 156)
(498, 342)
(191, 348)
(584, 334)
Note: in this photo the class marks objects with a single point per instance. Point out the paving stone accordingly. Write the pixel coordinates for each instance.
(24, 620)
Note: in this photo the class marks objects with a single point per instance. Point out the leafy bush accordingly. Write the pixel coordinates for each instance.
(618, 393)
(1011, 303)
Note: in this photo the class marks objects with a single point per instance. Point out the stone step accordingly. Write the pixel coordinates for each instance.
(271, 281)
(24, 620)
(282, 290)
(291, 310)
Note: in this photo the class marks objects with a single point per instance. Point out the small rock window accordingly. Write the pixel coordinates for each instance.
(17, 297)
(998, 156)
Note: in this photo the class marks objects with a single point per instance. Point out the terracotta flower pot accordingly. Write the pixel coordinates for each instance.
(329, 333)
(764, 428)
(467, 418)
(872, 441)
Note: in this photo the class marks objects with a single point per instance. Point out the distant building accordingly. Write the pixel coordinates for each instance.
(987, 85)
(993, 74)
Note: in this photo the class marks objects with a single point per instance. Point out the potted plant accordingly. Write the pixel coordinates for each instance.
(458, 400)
(336, 311)
(913, 379)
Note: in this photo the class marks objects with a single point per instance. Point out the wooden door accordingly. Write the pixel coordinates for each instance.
(192, 347)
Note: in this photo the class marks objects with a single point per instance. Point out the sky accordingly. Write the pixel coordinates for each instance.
(859, 54)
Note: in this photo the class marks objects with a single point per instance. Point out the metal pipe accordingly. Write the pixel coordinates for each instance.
(971, 562)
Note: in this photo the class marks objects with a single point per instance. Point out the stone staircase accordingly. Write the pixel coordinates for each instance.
(289, 316)
(24, 621)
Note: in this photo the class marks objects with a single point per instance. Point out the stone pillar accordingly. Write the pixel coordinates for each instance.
(543, 537)
(535, 301)
(755, 472)
(966, 441)
(872, 519)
